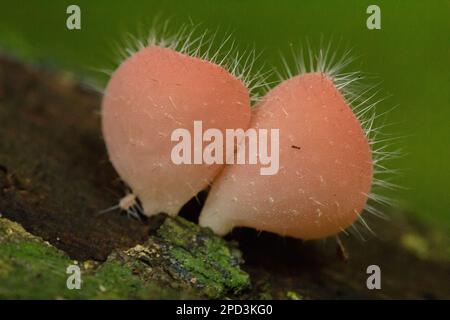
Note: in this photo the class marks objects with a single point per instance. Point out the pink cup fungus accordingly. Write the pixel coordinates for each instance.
(152, 93)
(325, 172)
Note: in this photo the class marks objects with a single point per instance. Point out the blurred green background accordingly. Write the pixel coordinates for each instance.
(410, 54)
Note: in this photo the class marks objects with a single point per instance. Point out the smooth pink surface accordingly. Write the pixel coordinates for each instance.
(152, 93)
(320, 188)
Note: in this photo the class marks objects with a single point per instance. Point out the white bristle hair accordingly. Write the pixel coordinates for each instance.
(188, 40)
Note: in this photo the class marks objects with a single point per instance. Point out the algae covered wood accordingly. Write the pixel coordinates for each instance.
(162, 267)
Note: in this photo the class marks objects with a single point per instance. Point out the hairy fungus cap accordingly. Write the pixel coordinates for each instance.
(325, 171)
(152, 93)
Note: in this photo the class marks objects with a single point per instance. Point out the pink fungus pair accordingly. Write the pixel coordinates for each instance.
(325, 160)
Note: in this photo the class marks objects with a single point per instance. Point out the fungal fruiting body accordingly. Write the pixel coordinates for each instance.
(152, 93)
(325, 169)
